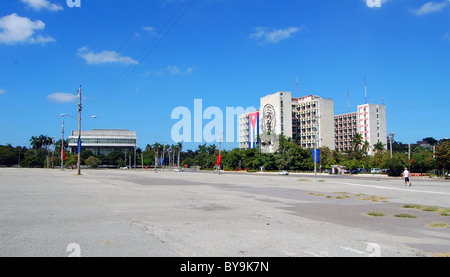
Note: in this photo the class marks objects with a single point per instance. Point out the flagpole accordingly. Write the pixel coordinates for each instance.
(62, 146)
(79, 131)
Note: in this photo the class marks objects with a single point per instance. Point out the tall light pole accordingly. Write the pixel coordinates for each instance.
(79, 131)
(62, 143)
(391, 137)
(79, 137)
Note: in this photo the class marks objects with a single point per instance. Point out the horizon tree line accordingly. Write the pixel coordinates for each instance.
(289, 156)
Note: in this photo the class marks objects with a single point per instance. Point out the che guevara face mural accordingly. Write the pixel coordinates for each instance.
(269, 119)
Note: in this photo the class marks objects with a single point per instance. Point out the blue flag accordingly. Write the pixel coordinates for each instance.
(316, 157)
(79, 146)
(162, 161)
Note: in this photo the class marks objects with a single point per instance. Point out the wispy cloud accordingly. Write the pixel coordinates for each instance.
(61, 97)
(270, 35)
(103, 57)
(150, 30)
(429, 7)
(2, 91)
(446, 36)
(172, 70)
(38, 5)
(16, 29)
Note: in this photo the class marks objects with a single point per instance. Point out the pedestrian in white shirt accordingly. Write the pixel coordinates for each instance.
(406, 177)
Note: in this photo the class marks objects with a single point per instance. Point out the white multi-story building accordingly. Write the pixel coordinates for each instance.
(372, 124)
(313, 124)
(310, 122)
(345, 126)
(307, 120)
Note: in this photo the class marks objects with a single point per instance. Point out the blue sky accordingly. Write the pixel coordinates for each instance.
(137, 60)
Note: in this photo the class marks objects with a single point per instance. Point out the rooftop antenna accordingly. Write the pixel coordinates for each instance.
(296, 84)
(382, 100)
(365, 88)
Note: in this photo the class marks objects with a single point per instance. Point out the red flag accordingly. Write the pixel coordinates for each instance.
(64, 155)
(218, 159)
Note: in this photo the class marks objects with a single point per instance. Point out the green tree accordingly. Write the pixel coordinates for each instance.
(443, 156)
(92, 161)
(422, 160)
(379, 147)
(396, 165)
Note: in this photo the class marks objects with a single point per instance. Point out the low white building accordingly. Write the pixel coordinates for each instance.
(104, 141)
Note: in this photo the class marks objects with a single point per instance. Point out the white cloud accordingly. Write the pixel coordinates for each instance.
(270, 35)
(430, 7)
(2, 91)
(42, 4)
(61, 97)
(150, 30)
(16, 29)
(174, 70)
(103, 57)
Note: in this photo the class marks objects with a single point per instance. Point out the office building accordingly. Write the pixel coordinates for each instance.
(310, 122)
(345, 126)
(104, 141)
(372, 124)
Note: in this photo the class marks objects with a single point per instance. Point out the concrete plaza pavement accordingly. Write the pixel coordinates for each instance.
(49, 212)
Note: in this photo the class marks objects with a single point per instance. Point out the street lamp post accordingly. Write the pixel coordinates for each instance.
(62, 143)
(391, 137)
(79, 131)
(79, 139)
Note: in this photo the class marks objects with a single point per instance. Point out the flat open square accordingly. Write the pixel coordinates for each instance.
(45, 212)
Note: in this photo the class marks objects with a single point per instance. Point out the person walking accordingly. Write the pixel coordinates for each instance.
(406, 177)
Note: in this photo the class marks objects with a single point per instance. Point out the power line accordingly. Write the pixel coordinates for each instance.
(124, 43)
(158, 38)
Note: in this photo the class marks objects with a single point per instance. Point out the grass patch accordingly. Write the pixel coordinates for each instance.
(429, 209)
(411, 206)
(405, 216)
(376, 214)
(445, 212)
(441, 211)
(375, 199)
(342, 196)
(316, 194)
(320, 180)
(438, 225)
(303, 180)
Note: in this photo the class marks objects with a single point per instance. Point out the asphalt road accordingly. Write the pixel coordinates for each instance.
(118, 213)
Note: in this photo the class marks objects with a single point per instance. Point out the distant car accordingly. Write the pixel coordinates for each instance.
(284, 172)
(355, 171)
(375, 170)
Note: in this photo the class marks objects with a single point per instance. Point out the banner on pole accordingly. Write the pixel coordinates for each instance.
(218, 159)
(79, 146)
(314, 156)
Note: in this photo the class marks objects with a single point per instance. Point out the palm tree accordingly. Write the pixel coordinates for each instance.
(179, 147)
(379, 147)
(156, 147)
(35, 144)
(356, 141)
(366, 147)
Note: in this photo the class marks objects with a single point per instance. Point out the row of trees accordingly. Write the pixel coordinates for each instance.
(290, 156)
